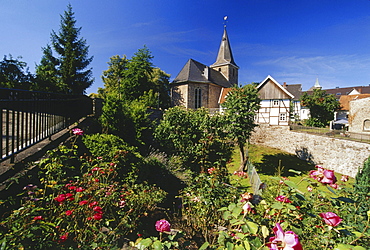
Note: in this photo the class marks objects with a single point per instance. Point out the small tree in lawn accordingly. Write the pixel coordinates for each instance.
(242, 104)
(322, 107)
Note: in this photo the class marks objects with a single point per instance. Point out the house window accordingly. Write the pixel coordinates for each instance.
(367, 125)
(275, 102)
(282, 117)
(198, 98)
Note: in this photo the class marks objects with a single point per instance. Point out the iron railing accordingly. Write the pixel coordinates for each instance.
(28, 117)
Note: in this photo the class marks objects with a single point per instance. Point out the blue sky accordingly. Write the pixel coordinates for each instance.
(294, 41)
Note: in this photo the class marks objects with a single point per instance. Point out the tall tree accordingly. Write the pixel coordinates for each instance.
(46, 73)
(137, 79)
(322, 107)
(72, 60)
(242, 104)
(14, 74)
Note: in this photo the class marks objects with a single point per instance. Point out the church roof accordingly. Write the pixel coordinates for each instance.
(194, 71)
(225, 55)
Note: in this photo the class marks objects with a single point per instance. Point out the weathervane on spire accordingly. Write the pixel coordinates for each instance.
(225, 21)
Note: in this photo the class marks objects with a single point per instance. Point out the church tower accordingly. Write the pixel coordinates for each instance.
(225, 61)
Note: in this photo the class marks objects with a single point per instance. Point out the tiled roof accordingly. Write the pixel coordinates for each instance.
(345, 99)
(295, 89)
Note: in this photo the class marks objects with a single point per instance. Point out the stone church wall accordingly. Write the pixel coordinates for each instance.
(342, 156)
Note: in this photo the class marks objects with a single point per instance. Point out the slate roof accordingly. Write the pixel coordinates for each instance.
(295, 89)
(197, 72)
(225, 55)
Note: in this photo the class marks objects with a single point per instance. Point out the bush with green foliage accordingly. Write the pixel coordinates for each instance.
(81, 201)
(362, 185)
(196, 136)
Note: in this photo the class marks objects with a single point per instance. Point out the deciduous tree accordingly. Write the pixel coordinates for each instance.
(14, 74)
(241, 106)
(322, 107)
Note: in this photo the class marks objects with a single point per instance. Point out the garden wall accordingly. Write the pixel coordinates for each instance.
(342, 156)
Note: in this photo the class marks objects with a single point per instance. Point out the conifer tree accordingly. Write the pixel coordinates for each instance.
(72, 60)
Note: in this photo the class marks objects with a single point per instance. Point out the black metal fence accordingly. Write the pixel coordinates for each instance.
(28, 117)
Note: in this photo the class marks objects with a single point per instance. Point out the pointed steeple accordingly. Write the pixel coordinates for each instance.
(316, 86)
(225, 55)
(225, 61)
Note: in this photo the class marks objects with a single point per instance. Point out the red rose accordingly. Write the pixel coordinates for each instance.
(98, 209)
(330, 218)
(81, 203)
(80, 189)
(98, 216)
(69, 212)
(38, 218)
(60, 198)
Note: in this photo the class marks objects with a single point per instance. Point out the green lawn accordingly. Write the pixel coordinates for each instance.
(269, 160)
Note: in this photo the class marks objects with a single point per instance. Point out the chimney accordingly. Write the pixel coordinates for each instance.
(284, 84)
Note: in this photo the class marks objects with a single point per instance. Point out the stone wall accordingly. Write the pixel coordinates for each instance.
(342, 156)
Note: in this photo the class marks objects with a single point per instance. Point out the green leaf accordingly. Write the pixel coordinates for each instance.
(229, 246)
(237, 211)
(144, 243)
(265, 231)
(239, 247)
(291, 184)
(331, 190)
(204, 246)
(345, 199)
(277, 205)
(247, 246)
(348, 247)
(252, 227)
(157, 245)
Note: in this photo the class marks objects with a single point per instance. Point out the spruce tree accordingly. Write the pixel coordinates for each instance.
(72, 60)
(47, 75)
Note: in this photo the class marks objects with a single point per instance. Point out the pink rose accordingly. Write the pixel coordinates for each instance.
(80, 189)
(163, 226)
(77, 131)
(284, 240)
(330, 218)
(247, 208)
(283, 198)
(328, 177)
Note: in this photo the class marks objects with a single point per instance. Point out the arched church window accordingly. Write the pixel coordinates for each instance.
(198, 98)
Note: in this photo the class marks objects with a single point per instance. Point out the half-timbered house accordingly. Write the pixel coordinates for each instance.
(275, 104)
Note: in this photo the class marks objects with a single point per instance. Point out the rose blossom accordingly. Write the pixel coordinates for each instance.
(38, 217)
(80, 189)
(69, 212)
(283, 198)
(331, 218)
(60, 198)
(309, 188)
(284, 240)
(81, 203)
(98, 216)
(77, 131)
(247, 208)
(63, 238)
(163, 226)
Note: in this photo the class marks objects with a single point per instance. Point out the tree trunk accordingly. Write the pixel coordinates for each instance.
(243, 158)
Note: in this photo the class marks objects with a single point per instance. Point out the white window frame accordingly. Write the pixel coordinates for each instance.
(282, 117)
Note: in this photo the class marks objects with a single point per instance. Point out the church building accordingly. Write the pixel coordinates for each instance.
(198, 85)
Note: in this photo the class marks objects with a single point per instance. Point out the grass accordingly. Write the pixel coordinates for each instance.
(271, 162)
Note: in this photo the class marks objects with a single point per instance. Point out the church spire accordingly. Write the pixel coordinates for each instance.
(225, 55)
(225, 61)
